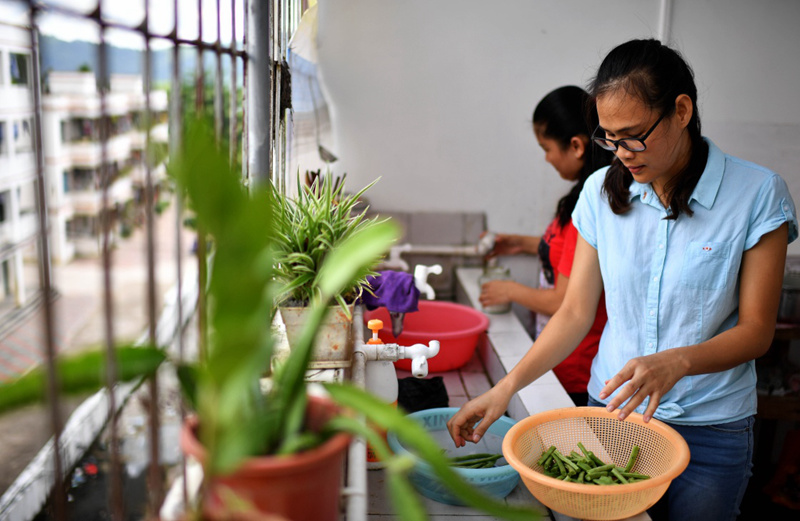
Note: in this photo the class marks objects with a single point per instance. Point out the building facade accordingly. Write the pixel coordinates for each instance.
(18, 222)
(77, 165)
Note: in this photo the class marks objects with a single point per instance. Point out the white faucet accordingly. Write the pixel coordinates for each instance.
(421, 273)
(376, 350)
(419, 354)
(395, 261)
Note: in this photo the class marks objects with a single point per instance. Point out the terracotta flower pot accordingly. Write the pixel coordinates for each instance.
(300, 487)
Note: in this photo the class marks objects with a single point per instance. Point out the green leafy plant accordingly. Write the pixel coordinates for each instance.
(237, 417)
(307, 227)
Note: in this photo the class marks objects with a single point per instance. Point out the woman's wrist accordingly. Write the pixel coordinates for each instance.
(507, 386)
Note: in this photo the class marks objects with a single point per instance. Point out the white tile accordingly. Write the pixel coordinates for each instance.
(467, 278)
(492, 363)
(475, 383)
(453, 383)
(545, 397)
(474, 365)
(510, 361)
(435, 227)
(504, 322)
(510, 343)
(457, 401)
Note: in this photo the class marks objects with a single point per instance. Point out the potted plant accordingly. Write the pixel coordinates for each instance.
(307, 227)
(242, 426)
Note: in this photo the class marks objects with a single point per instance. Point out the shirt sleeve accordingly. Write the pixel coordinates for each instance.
(584, 217)
(773, 207)
(570, 235)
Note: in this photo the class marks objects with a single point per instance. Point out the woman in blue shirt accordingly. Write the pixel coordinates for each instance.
(689, 245)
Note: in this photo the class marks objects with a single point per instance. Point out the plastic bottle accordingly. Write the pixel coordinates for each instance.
(381, 380)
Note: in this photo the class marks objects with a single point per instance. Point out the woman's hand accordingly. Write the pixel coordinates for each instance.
(496, 292)
(652, 375)
(512, 244)
(485, 409)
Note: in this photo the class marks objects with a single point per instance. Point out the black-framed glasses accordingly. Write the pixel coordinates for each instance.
(633, 144)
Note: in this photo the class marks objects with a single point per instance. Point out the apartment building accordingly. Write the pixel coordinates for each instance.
(75, 159)
(18, 222)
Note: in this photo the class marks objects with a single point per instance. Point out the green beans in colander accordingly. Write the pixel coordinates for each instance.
(585, 467)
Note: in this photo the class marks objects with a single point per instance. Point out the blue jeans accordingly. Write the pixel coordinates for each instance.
(713, 485)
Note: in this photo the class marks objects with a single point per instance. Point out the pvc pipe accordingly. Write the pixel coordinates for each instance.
(356, 491)
(469, 250)
(665, 21)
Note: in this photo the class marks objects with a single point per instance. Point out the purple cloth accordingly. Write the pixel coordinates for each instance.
(394, 290)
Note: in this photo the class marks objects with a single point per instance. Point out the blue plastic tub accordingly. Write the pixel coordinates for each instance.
(497, 481)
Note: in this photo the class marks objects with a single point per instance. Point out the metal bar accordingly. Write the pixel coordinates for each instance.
(218, 89)
(59, 494)
(232, 128)
(259, 91)
(246, 174)
(199, 102)
(115, 499)
(276, 23)
(155, 483)
(202, 268)
(175, 133)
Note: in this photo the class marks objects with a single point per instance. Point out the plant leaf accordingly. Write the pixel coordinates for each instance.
(81, 373)
(346, 261)
(405, 500)
(414, 436)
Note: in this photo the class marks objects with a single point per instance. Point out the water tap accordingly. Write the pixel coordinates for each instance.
(375, 349)
(419, 354)
(421, 273)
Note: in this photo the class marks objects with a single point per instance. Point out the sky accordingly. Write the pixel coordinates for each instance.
(131, 13)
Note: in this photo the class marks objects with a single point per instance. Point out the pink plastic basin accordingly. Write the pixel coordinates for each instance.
(455, 326)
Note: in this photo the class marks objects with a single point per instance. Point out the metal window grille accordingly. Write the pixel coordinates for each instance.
(256, 139)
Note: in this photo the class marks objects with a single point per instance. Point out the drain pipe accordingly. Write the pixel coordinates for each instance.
(356, 491)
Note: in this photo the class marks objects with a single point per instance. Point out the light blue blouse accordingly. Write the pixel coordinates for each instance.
(673, 283)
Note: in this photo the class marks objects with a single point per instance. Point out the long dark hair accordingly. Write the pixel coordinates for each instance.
(657, 75)
(561, 115)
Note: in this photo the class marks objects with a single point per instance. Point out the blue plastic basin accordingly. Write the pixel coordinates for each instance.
(497, 481)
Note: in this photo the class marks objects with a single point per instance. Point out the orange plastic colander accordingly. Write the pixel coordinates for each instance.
(663, 455)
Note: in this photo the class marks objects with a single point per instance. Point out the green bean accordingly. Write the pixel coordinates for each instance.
(561, 469)
(467, 457)
(604, 468)
(632, 459)
(635, 475)
(475, 461)
(547, 455)
(587, 467)
(619, 475)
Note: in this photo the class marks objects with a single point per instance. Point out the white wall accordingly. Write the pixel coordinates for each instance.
(436, 96)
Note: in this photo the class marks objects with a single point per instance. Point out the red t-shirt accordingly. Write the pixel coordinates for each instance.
(573, 372)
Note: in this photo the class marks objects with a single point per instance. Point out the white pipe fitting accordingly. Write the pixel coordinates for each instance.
(419, 354)
(421, 273)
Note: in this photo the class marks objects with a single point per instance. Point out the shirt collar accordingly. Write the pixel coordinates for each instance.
(707, 187)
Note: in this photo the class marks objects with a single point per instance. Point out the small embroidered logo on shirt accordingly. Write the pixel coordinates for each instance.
(706, 248)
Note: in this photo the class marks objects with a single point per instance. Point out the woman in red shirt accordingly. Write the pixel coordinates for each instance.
(563, 122)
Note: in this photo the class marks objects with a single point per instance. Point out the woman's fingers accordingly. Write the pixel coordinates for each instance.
(493, 292)
(648, 376)
(472, 421)
(461, 426)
